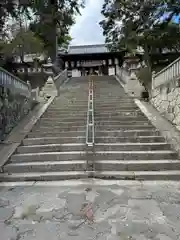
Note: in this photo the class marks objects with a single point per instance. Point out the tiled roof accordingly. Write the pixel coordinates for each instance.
(85, 49)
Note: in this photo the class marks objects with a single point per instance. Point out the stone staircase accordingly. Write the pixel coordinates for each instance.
(127, 146)
(55, 149)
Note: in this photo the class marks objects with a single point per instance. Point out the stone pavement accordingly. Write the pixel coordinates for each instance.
(93, 209)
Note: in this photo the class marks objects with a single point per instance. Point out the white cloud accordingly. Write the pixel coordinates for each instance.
(87, 29)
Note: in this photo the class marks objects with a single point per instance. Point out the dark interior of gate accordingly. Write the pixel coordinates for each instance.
(91, 59)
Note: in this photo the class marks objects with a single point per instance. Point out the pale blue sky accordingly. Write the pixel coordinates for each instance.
(87, 29)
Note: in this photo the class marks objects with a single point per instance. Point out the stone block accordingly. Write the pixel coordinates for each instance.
(170, 116)
(155, 92)
(6, 214)
(139, 211)
(177, 119)
(170, 96)
(177, 99)
(165, 105)
(3, 202)
(8, 232)
(176, 110)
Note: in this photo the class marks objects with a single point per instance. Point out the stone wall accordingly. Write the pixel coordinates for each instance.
(15, 102)
(166, 99)
(166, 92)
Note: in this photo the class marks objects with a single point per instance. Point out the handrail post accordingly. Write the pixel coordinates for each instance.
(168, 74)
(90, 116)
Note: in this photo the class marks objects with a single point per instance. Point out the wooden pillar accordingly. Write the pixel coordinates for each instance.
(116, 63)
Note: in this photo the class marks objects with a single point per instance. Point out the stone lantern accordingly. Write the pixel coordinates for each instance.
(132, 63)
(49, 88)
(48, 67)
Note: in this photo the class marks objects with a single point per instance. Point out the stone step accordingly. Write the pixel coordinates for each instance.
(64, 119)
(107, 104)
(68, 101)
(107, 101)
(98, 147)
(128, 133)
(67, 111)
(117, 114)
(49, 156)
(45, 124)
(117, 111)
(65, 115)
(64, 103)
(135, 155)
(56, 140)
(46, 166)
(53, 140)
(73, 97)
(123, 123)
(130, 139)
(118, 101)
(121, 118)
(57, 129)
(73, 100)
(137, 175)
(68, 108)
(132, 146)
(42, 176)
(53, 129)
(103, 89)
(102, 165)
(98, 120)
(119, 175)
(113, 108)
(104, 93)
(113, 95)
(123, 127)
(81, 122)
(57, 134)
(136, 165)
(55, 147)
(98, 155)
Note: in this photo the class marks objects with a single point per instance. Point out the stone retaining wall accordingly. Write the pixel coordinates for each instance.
(166, 92)
(166, 99)
(15, 101)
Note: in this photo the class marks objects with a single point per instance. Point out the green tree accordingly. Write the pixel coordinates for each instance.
(24, 42)
(10, 8)
(48, 16)
(53, 21)
(132, 24)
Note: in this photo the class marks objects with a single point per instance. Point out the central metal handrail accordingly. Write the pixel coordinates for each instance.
(90, 116)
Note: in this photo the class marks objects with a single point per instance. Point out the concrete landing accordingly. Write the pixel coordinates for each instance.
(90, 209)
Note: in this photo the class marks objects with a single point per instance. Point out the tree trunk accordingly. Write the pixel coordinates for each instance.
(148, 81)
(53, 47)
(53, 35)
